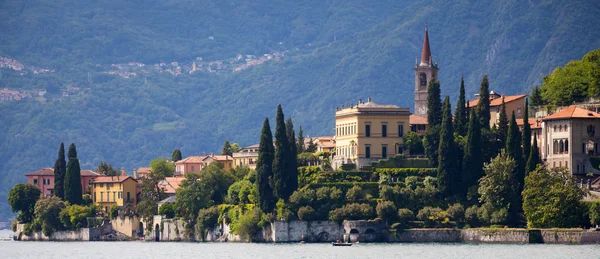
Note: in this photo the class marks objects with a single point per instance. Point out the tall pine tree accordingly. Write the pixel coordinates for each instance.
(282, 153)
(226, 150)
(60, 169)
(300, 144)
(526, 136)
(460, 114)
(264, 169)
(447, 162)
(176, 156)
(72, 187)
(513, 149)
(292, 175)
(502, 124)
(483, 106)
(434, 104)
(534, 157)
(472, 168)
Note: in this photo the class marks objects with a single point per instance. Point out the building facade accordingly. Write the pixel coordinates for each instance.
(44, 180)
(246, 157)
(570, 140)
(195, 164)
(368, 132)
(512, 103)
(425, 71)
(114, 190)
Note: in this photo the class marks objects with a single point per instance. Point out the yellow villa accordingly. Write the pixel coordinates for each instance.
(368, 132)
(114, 190)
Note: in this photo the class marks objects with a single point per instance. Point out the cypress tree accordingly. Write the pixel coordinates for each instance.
(534, 157)
(434, 104)
(292, 175)
(280, 162)
(72, 185)
(226, 150)
(264, 169)
(176, 156)
(60, 169)
(460, 114)
(447, 162)
(513, 149)
(526, 136)
(502, 124)
(472, 168)
(300, 144)
(483, 107)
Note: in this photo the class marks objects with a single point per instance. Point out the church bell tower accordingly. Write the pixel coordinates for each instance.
(425, 71)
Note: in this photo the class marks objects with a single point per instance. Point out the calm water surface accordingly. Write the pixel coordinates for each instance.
(283, 251)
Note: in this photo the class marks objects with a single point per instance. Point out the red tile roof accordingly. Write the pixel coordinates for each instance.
(50, 172)
(498, 101)
(171, 184)
(43, 171)
(112, 179)
(573, 112)
(534, 123)
(416, 119)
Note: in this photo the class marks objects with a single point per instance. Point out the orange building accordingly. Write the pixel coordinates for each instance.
(114, 190)
(513, 103)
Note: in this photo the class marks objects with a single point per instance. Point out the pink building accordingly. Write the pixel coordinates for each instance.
(44, 180)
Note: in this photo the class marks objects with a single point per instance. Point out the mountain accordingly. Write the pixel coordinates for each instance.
(325, 54)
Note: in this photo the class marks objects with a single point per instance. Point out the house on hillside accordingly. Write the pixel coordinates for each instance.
(44, 180)
(195, 164)
(246, 157)
(513, 103)
(114, 190)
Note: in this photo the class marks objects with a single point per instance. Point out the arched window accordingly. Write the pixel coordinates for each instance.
(566, 146)
(555, 147)
(560, 128)
(562, 147)
(554, 128)
(566, 128)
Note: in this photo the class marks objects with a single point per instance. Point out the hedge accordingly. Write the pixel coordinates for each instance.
(399, 161)
(404, 172)
(346, 176)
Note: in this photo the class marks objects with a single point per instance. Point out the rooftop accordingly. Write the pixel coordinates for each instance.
(498, 101)
(416, 119)
(112, 179)
(573, 112)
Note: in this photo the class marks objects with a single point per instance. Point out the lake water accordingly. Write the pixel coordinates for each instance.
(13, 249)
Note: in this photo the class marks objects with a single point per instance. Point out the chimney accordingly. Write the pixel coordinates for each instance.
(135, 174)
(369, 99)
(123, 173)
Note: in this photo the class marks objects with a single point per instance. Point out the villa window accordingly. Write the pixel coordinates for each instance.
(367, 151)
(35, 181)
(367, 130)
(128, 197)
(566, 146)
(120, 195)
(400, 149)
(384, 151)
(384, 130)
(555, 128)
(94, 196)
(101, 196)
(193, 169)
(400, 130)
(577, 168)
(101, 185)
(114, 196)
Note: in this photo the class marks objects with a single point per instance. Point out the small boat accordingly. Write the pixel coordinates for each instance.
(341, 244)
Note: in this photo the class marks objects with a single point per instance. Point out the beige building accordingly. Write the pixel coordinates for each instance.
(368, 132)
(195, 164)
(514, 103)
(570, 140)
(246, 157)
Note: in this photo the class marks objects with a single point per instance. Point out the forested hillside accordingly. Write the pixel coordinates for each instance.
(335, 53)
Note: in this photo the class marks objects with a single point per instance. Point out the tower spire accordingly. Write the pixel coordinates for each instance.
(426, 52)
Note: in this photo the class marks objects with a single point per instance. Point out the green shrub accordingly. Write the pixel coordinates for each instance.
(248, 224)
(499, 216)
(283, 212)
(344, 176)
(86, 200)
(405, 216)
(114, 211)
(355, 194)
(266, 219)
(471, 215)
(594, 212)
(386, 210)
(328, 194)
(303, 197)
(353, 211)
(348, 167)
(404, 172)
(432, 216)
(47, 214)
(75, 216)
(168, 209)
(484, 214)
(456, 212)
(386, 192)
(307, 175)
(207, 219)
(306, 213)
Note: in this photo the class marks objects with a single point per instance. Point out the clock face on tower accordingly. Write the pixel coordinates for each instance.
(423, 79)
(422, 110)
